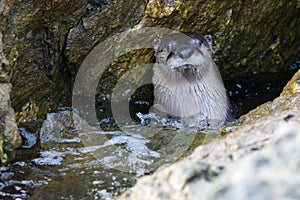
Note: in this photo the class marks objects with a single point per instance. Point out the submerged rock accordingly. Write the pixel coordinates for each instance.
(135, 149)
(260, 155)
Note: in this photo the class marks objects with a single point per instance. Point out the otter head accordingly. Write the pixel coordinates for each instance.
(186, 54)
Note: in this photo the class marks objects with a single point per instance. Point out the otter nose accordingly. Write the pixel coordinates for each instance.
(185, 52)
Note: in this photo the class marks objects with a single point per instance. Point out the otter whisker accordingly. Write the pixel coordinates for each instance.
(189, 64)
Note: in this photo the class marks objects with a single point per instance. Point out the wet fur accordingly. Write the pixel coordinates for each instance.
(187, 81)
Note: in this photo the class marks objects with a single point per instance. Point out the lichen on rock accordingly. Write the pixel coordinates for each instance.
(9, 136)
(45, 42)
(159, 9)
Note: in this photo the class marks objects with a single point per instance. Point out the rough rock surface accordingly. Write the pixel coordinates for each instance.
(55, 128)
(250, 162)
(46, 41)
(9, 137)
(34, 40)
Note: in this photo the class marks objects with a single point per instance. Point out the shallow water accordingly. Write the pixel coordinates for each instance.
(96, 164)
(101, 165)
(62, 175)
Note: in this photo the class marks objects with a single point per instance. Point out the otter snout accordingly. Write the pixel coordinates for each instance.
(186, 80)
(171, 50)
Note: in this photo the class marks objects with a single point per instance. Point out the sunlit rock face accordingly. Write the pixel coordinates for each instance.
(45, 42)
(257, 154)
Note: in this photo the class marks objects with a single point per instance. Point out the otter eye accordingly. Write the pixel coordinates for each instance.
(156, 43)
(169, 47)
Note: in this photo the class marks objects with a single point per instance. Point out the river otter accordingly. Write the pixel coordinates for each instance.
(187, 83)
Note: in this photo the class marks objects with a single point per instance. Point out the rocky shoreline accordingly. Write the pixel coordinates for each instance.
(259, 156)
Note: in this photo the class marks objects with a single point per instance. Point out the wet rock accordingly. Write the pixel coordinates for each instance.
(257, 155)
(28, 139)
(45, 42)
(126, 151)
(9, 137)
(57, 129)
(34, 42)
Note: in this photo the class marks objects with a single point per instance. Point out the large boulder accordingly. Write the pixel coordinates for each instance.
(9, 137)
(258, 155)
(45, 42)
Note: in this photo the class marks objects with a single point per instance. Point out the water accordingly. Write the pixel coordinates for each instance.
(101, 165)
(62, 175)
(249, 91)
(95, 164)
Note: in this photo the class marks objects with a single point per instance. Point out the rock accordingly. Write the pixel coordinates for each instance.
(45, 42)
(98, 25)
(114, 149)
(258, 155)
(9, 137)
(56, 129)
(293, 86)
(272, 173)
(28, 139)
(36, 59)
(161, 9)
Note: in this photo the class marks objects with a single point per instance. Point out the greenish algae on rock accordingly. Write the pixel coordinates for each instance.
(45, 42)
(9, 136)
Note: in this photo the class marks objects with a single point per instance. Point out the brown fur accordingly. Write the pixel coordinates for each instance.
(187, 81)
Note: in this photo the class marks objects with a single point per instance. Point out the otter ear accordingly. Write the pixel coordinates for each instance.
(156, 43)
(209, 40)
